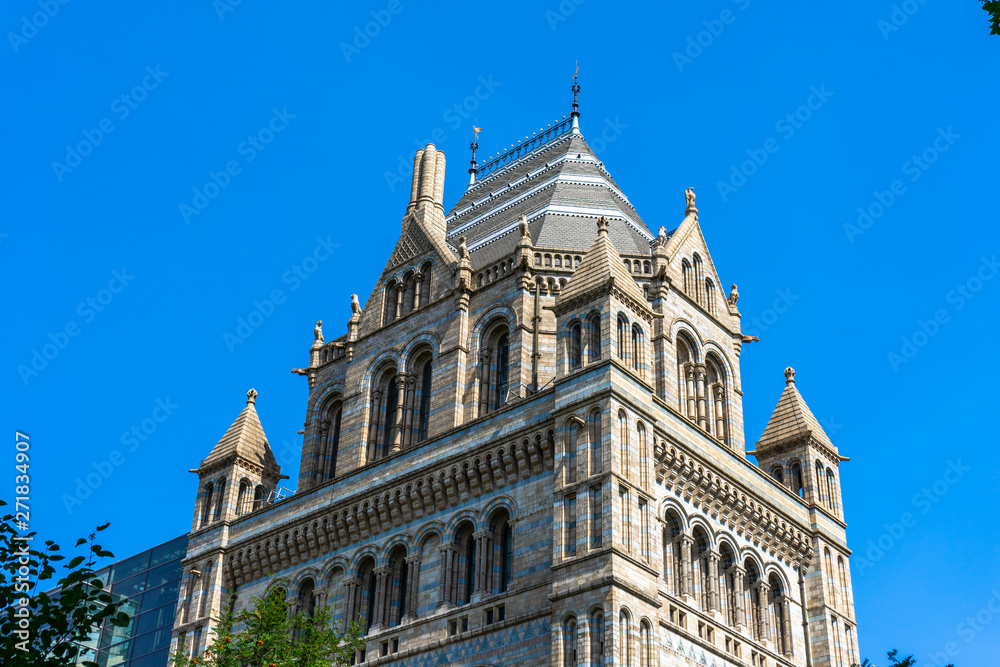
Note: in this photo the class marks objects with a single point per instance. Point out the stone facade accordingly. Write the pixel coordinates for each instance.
(528, 449)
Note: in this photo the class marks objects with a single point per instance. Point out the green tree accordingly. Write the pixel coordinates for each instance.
(40, 629)
(268, 635)
(992, 7)
(908, 661)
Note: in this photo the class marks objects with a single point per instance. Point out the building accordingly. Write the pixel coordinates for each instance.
(527, 449)
(146, 585)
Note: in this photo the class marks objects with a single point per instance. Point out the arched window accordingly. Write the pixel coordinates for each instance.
(673, 558)
(831, 490)
(494, 370)
(777, 474)
(575, 345)
(821, 498)
(572, 443)
(637, 345)
(844, 590)
(243, 498)
(623, 337)
(206, 590)
(596, 637)
(306, 598)
(396, 596)
(686, 394)
(727, 559)
(701, 547)
(688, 276)
(207, 505)
(796, 480)
(593, 337)
(364, 602)
(506, 555)
(715, 388)
(392, 301)
(780, 617)
(596, 451)
(752, 587)
(383, 415)
(699, 279)
(569, 642)
(628, 266)
(644, 460)
(329, 442)
(831, 578)
(259, 497)
(710, 296)
(623, 445)
(645, 644)
(647, 267)
(465, 570)
(391, 416)
(220, 499)
(625, 642)
(423, 401)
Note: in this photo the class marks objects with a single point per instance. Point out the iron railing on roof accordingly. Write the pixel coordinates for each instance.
(522, 148)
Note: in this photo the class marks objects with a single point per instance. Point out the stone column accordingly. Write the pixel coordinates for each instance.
(484, 565)
(376, 413)
(713, 581)
(740, 597)
(485, 356)
(763, 627)
(412, 587)
(690, 393)
(418, 279)
(786, 624)
(411, 397)
(400, 290)
(720, 413)
(383, 578)
(685, 543)
(447, 554)
(396, 437)
(702, 419)
(321, 458)
(350, 592)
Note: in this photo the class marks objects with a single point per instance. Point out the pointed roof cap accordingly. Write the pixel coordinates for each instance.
(601, 265)
(244, 439)
(792, 419)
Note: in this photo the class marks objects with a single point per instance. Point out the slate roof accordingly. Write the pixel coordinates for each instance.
(246, 439)
(563, 188)
(792, 419)
(601, 264)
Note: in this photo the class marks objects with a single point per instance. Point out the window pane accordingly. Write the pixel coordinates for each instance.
(130, 567)
(158, 597)
(158, 659)
(158, 618)
(164, 574)
(151, 641)
(173, 550)
(131, 587)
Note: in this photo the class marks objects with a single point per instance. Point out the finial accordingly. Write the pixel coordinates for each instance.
(789, 375)
(602, 225)
(691, 209)
(251, 396)
(576, 105)
(473, 170)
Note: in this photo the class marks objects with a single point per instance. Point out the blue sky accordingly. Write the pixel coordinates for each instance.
(167, 165)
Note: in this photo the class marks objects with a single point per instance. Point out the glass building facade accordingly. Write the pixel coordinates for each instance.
(147, 585)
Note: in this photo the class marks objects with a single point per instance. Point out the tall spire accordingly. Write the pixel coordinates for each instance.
(473, 169)
(576, 106)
